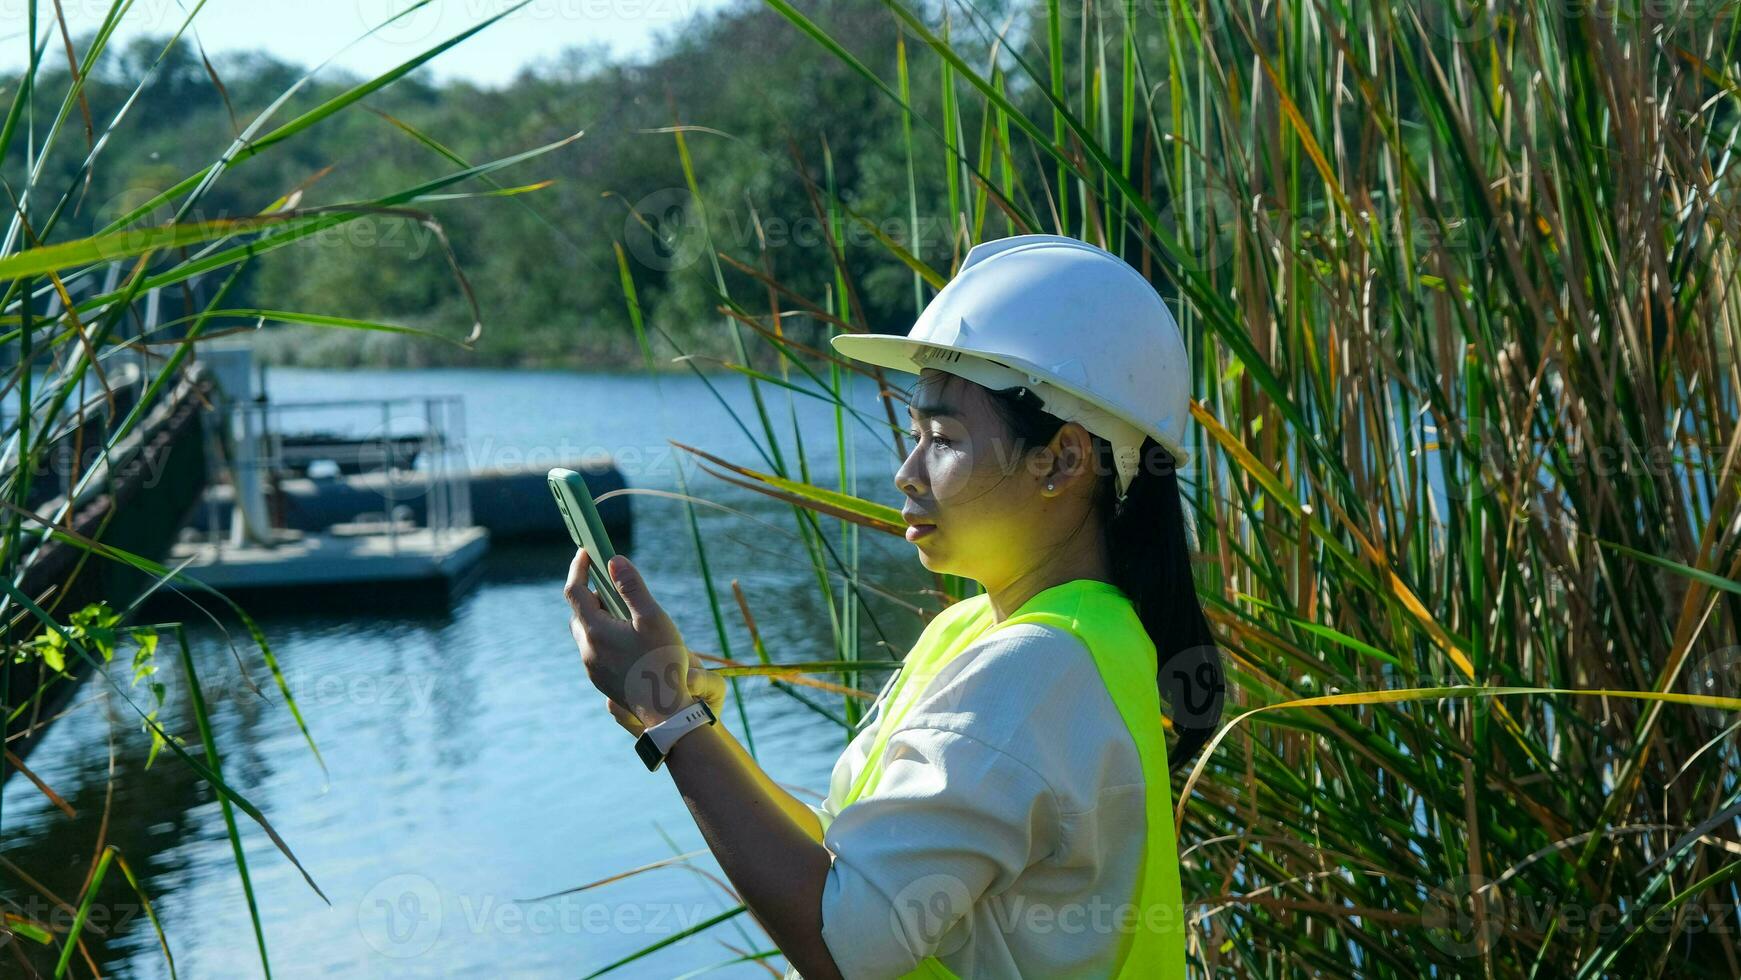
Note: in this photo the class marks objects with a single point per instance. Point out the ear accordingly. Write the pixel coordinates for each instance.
(1072, 452)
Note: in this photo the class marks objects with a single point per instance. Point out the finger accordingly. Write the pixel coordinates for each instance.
(624, 714)
(626, 718)
(587, 605)
(706, 684)
(582, 634)
(632, 587)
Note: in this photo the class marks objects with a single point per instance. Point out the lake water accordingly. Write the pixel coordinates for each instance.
(471, 763)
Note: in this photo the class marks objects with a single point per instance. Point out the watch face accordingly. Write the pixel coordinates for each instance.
(648, 752)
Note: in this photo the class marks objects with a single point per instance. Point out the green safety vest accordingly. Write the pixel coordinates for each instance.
(1153, 945)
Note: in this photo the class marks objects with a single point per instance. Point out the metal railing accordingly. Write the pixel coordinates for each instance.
(409, 450)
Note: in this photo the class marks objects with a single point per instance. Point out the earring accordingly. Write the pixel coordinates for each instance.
(1048, 485)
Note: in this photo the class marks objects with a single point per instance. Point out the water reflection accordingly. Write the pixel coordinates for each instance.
(469, 762)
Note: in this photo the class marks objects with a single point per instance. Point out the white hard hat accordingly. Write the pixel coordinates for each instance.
(1070, 321)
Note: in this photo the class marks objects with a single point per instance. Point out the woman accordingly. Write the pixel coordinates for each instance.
(1004, 808)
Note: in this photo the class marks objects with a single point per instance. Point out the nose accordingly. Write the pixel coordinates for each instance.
(907, 478)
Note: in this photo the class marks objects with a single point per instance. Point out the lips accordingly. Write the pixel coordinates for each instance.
(917, 529)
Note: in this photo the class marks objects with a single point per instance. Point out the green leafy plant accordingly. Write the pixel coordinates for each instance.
(99, 629)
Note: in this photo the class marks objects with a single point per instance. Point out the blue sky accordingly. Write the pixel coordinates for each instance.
(308, 31)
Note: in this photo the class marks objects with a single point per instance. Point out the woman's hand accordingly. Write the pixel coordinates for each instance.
(640, 663)
(703, 684)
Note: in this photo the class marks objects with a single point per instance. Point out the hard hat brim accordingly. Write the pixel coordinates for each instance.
(883, 350)
(898, 354)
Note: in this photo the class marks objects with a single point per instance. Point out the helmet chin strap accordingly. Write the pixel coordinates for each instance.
(1126, 439)
(1125, 457)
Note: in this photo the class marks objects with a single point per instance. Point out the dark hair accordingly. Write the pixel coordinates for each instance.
(1151, 563)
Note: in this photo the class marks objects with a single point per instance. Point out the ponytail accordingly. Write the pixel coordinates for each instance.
(1151, 563)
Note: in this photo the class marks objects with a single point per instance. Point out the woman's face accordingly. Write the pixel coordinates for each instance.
(965, 477)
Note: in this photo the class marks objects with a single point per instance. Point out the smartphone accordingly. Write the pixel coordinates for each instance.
(574, 500)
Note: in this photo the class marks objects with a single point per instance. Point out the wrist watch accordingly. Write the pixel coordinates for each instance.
(656, 740)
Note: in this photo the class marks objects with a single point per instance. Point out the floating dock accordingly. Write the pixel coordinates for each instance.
(511, 502)
(355, 554)
(317, 502)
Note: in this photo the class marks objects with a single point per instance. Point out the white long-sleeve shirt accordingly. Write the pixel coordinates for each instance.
(1007, 830)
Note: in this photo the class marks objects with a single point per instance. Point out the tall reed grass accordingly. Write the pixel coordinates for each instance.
(1458, 282)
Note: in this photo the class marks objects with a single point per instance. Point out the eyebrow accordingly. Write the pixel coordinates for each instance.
(933, 410)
